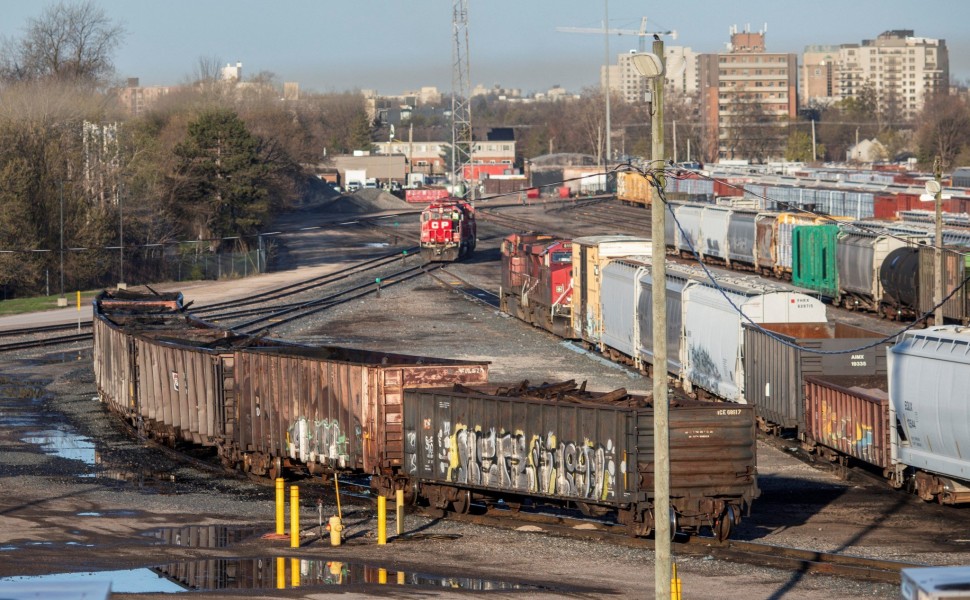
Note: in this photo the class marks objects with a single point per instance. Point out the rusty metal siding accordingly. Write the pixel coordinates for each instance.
(113, 366)
(339, 407)
(713, 451)
(774, 370)
(518, 446)
(850, 415)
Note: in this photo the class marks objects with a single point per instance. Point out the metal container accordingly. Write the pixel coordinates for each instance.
(581, 452)
(712, 349)
(765, 251)
(619, 304)
(813, 258)
(774, 369)
(644, 318)
(783, 241)
(742, 237)
(339, 407)
(714, 232)
(859, 256)
(928, 386)
(590, 255)
(849, 415)
(899, 276)
(634, 188)
(955, 270)
(689, 233)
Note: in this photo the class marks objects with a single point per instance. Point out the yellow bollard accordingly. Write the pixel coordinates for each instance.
(295, 572)
(336, 531)
(399, 501)
(674, 583)
(280, 573)
(381, 520)
(294, 516)
(382, 576)
(280, 508)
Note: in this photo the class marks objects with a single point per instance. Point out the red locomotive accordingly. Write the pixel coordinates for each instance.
(448, 230)
(537, 281)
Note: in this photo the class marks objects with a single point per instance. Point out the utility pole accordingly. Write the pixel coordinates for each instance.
(121, 238)
(62, 301)
(938, 296)
(661, 433)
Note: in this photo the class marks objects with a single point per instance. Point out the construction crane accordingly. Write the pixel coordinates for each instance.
(461, 110)
(642, 33)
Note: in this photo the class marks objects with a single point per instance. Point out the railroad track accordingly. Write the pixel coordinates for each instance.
(464, 287)
(745, 552)
(47, 342)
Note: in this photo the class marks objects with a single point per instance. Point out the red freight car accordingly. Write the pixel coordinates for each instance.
(425, 195)
(448, 230)
(537, 281)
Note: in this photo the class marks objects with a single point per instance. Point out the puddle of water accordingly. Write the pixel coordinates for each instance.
(284, 573)
(203, 536)
(263, 573)
(132, 581)
(375, 245)
(63, 444)
(110, 513)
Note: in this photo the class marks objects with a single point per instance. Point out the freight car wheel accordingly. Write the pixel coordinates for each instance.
(463, 504)
(725, 525)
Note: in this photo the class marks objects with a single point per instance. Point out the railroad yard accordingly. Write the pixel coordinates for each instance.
(83, 495)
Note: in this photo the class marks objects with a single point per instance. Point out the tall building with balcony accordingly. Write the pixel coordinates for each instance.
(747, 96)
(904, 70)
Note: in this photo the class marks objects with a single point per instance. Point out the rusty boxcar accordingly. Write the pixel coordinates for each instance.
(595, 454)
(264, 404)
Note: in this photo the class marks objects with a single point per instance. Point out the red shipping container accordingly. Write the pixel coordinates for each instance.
(564, 191)
(425, 195)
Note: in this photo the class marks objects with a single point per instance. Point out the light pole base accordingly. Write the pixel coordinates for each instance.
(122, 285)
(61, 302)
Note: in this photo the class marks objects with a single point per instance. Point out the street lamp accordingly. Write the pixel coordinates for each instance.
(651, 66)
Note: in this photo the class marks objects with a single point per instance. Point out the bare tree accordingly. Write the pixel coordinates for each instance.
(67, 42)
(207, 69)
(944, 129)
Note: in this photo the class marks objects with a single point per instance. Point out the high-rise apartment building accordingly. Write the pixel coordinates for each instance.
(903, 70)
(747, 95)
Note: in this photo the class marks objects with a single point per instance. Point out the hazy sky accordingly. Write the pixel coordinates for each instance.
(394, 45)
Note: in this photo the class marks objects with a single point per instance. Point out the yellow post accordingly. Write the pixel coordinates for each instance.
(399, 501)
(400, 577)
(382, 576)
(381, 520)
(674, 583)
(280, 507)
(280, 573)
(295, 572)
(294, 516)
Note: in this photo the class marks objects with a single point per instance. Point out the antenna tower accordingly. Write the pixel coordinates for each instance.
(461, 112)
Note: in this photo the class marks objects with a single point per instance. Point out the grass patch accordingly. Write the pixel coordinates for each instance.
(18, 306)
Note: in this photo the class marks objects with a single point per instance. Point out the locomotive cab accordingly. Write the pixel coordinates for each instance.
(448, 231)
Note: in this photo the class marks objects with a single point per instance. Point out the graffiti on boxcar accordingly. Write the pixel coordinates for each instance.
(540, 464)
(324, 439)
(846, 434)
(410, 451)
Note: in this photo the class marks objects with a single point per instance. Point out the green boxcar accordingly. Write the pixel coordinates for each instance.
(814, 258)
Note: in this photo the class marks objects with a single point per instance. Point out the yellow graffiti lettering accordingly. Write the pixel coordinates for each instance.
(453, 450)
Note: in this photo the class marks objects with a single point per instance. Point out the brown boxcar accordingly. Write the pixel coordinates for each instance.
(333, 407)
(774, 370)
(597, 455)
(849, 415)
(264, 403)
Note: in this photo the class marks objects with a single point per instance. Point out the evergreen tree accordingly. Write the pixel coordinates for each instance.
(220, 183)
